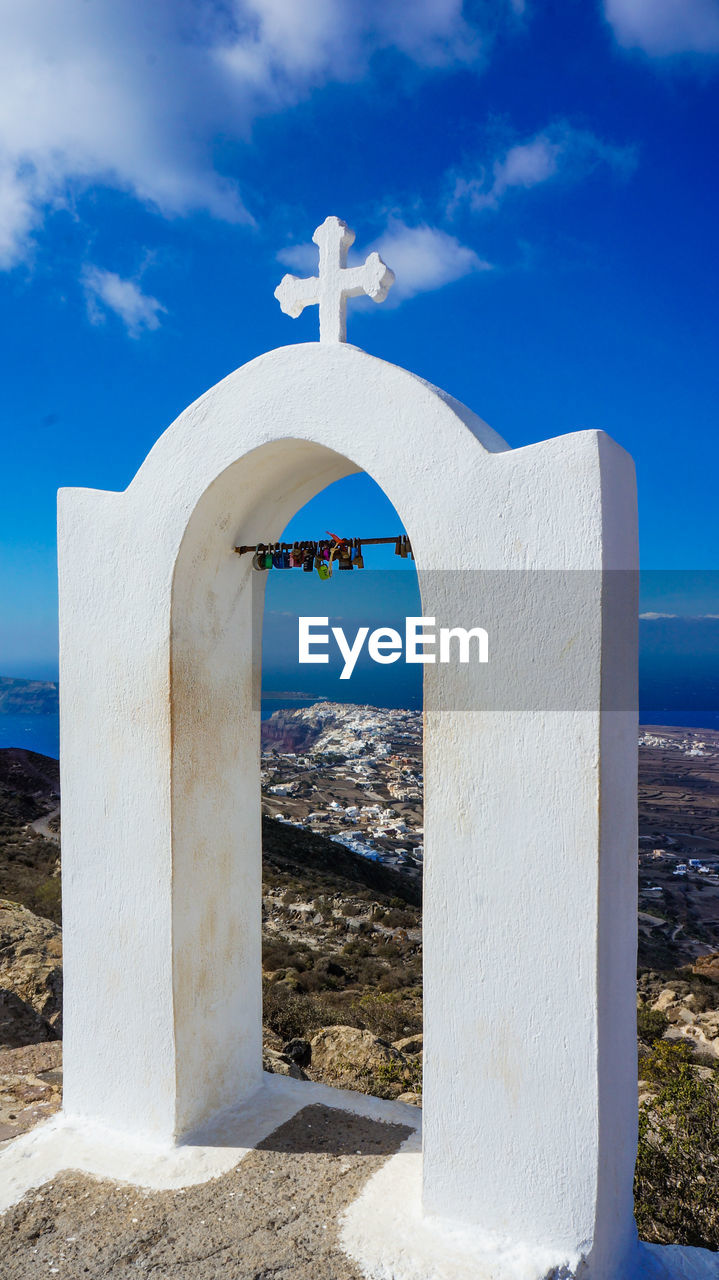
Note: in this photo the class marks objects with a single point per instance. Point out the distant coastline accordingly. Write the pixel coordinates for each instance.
(28, 697)
(29, 715)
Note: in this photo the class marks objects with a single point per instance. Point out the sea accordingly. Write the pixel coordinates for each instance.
(34, 732)
(41, 733)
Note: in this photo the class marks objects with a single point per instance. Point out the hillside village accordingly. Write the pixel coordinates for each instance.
(678, 845)
(353, 774)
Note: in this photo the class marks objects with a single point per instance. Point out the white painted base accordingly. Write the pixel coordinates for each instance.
(385, 1233)
(676, 1262)
(216, 1147)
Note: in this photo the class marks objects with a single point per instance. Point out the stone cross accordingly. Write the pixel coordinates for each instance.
(335, 281)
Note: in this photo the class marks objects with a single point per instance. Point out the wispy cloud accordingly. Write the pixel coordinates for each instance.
(558, 152)
(19, 213)
(105, 291)
(424, 258)
(280, 45)
(682, 617)
(133, 95)
(300, 257)
(661, 28)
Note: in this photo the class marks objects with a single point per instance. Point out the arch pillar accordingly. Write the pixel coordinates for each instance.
(530, 808)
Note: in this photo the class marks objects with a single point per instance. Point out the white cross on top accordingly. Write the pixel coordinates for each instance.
(335, 282)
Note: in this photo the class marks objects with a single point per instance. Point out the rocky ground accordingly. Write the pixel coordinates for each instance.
(30, 1087)
(683, 1008)
(342, 1002)
(350, 1058)
(30, 977)
(30, 1019)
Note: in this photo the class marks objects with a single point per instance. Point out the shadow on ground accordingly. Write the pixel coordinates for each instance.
(275, 1214)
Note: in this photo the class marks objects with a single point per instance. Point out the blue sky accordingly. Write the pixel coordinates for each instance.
(541, 178)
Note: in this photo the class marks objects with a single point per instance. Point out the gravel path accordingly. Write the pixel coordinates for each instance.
(273, 1217)
(30, 1087)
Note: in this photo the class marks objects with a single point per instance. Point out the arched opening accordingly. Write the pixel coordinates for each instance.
(218, 607)
(342, 800)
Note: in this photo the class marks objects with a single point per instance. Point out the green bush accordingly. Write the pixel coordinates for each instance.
(389, 1015)
(392, 1072)
(651, 1024)
(676, 1184)
(295, 1014)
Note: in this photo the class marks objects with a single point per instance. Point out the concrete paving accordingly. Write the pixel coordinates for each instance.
(274, 1215)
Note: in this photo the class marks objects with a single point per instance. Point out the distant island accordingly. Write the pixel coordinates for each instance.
(27, 697)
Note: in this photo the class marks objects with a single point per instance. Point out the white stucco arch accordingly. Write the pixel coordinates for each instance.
(530, 1077)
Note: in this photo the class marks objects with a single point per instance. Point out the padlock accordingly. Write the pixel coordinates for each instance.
(324, 570)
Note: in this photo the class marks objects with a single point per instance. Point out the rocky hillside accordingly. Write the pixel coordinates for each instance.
(29, 786)
(29, 851)
(341, 942)
(322, 866)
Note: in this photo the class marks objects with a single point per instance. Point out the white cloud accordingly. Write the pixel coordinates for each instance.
(106, 291)
(664, 27)
(133, 94)
(654, 617)
(424, 258)
(18, 214)
(116, 93)
(559, 151)
(283, 43)
(300, 257)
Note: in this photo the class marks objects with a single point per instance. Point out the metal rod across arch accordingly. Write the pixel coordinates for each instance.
(300, 542)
